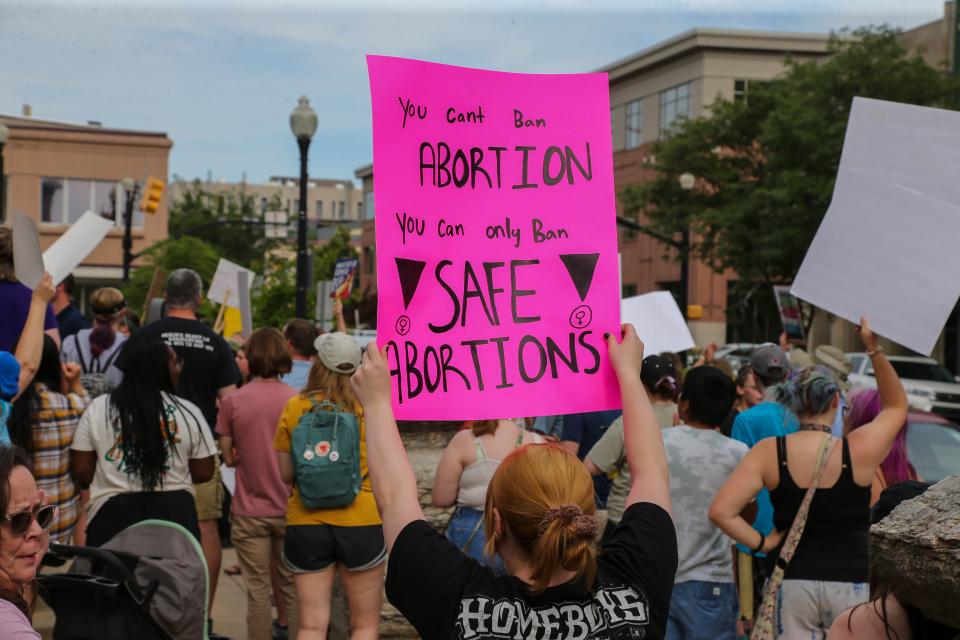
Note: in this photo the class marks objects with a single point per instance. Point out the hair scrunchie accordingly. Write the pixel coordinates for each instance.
(584, 526)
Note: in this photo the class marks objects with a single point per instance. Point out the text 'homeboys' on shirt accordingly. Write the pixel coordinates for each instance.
(208, 363)
(445, 594)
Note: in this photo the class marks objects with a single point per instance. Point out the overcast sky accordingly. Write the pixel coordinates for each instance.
(220, 78)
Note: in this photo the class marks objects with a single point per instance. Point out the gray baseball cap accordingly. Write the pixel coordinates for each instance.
(338, 352)
(770, 362)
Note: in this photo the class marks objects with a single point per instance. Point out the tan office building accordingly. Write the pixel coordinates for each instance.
(327, 200)
(55, 171)
(649, 91)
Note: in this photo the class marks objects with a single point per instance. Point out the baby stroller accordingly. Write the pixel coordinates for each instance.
(149, 582)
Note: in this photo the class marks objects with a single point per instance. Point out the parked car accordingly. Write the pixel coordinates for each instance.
(933, 444)
(736, 353)
(929, 385)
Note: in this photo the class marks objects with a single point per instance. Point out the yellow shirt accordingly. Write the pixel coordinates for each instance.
(362, 511)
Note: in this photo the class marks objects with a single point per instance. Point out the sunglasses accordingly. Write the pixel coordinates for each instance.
(20, 522)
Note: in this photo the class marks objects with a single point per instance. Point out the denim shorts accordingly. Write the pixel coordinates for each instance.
(465, 530)
(703, 611)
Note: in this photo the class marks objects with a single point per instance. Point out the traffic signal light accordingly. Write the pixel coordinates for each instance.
(152, 194)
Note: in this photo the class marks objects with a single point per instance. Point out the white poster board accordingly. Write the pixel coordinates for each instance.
(63, 256)
(224, 286)
(886, 248)
(658, 322)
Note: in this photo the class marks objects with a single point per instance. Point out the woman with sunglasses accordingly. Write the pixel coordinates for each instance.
(23, 541)
(141, 448)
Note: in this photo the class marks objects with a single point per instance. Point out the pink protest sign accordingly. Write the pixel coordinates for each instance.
(497, 268)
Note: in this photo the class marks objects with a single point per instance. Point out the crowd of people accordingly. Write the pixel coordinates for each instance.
(714, 504)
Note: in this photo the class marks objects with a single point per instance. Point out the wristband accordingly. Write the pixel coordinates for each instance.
(879, 349)
(763, 541)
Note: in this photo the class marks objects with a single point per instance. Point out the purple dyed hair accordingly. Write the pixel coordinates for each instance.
(864, 406)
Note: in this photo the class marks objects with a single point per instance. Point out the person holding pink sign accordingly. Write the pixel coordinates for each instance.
(540, 519)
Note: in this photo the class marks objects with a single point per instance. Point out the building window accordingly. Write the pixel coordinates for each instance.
(342, 210)
(52, 193)
(64, 201)
(263, 205)
(674, 287)
(674, 104)
(359, 210)
(629, 290)
(104, 198)
(634, 124)
(740, 90)
(368, 203)
(319, 208)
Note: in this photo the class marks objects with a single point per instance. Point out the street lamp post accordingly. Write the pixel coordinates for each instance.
(4, 133)
(303, 123)
(687, 180)
(129, 192)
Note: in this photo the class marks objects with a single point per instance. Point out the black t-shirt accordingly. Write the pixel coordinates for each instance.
(445, 594)
(208, 363)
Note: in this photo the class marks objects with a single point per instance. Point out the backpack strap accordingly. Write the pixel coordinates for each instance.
(83, 363)
(110, 360)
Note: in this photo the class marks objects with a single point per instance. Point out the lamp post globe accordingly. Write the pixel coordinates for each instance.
(303, 124)
(687, 180)
(4, 134)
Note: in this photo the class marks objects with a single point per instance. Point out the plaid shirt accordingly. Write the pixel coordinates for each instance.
(54, 417)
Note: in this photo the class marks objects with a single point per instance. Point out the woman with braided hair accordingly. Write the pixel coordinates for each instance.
(140, 447)
(539, 517)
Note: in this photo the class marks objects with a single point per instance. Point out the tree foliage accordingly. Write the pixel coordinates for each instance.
(171, 254)
(765, 166)
(219, 220)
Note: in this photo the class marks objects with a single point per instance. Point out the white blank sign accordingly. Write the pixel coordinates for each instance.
(887, 253)
(658, 322)
(886, 248)
(63, 256)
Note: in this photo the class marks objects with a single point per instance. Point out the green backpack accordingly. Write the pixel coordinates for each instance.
(325, 447)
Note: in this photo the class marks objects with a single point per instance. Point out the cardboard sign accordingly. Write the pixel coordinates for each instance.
(496, 240)
(63, 256)
(343, 274)
(790, 315)
(223, 288)
(886, 248)
(658, 322)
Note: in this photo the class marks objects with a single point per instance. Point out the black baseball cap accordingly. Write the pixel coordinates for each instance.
(656, 368)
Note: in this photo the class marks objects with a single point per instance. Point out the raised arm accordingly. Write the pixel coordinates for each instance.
(30, 346)
(392, 477)
(738, 492)
(338, 315)
(641, 433)
(871, 443)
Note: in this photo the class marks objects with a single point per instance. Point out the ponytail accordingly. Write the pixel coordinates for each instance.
(808, 391)
(544, 496)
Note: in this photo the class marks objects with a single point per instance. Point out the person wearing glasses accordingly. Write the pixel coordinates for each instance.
(23, 541)
(141, 448)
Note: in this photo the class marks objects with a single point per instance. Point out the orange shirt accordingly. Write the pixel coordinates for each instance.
(362, 511)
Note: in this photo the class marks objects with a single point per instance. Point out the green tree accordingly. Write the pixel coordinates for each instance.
(218, 219)
(765, 166)
(173, 253)
(274, 303)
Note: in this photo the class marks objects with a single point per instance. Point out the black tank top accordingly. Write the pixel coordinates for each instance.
(834, 543)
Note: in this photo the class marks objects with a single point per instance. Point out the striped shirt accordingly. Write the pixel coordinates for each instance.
(54, 417)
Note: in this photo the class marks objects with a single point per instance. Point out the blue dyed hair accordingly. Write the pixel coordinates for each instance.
(808, 391)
